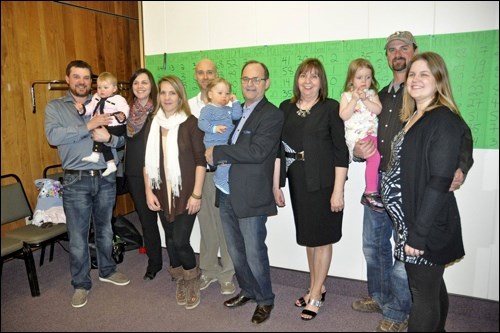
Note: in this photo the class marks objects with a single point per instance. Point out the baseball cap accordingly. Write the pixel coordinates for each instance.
(404, 36)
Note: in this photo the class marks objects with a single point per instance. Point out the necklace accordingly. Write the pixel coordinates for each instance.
(304, 112)
(407, 127)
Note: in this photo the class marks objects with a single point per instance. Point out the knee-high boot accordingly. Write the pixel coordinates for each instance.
(192, 281)
(180, 292)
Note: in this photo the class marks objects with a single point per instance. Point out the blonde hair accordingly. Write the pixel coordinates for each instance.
(215, 82)
(443, 95)
(179, 89)
(353, 68)
(107, 77)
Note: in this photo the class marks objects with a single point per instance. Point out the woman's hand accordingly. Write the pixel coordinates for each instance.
(152, 201)
(410, 251)
(279, 198)
(193, 205)
(337, 201)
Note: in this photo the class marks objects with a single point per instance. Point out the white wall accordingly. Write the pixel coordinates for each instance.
(191, 26)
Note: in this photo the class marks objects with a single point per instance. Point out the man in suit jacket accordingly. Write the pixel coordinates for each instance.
(252, 154)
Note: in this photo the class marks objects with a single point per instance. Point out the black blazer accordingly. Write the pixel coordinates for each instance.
(252, 160)
(324, 144)
(429, 157)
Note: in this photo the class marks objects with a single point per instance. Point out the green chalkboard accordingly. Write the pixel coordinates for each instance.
(472, 60)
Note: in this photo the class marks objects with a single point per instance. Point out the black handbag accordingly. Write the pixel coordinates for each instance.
(126, 232)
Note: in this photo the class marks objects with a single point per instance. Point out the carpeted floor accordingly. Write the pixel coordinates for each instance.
(150, 305)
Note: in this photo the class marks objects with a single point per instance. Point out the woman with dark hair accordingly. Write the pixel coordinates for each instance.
(316, 159)
(142, 100)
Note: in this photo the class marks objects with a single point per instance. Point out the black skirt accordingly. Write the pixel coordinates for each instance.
(315, 223)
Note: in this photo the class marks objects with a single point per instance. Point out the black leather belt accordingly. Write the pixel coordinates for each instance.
(298, 156)
(91, 173)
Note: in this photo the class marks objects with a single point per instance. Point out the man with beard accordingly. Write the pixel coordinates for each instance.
(388, 287)
(88, 196)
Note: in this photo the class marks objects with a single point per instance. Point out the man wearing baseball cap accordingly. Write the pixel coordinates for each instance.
(388, 288)
(389, 292)
(404, 36)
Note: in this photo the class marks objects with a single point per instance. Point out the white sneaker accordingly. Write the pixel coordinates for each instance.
(116, 278)
(79, 298)
(227, 288)
(206, 281)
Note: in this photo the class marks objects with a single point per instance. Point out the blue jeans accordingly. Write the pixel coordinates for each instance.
(88, 198)
(246, 243)
(387, 280)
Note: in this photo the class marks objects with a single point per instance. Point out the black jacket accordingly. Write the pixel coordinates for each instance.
(430, 155)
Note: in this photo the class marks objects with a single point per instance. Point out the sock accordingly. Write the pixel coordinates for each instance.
(93, 158)
(111, 168)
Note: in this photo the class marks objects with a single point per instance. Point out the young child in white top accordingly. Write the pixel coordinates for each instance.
(106, 101)
(359, 107)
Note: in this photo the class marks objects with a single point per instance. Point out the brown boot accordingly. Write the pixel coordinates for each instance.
(192, 280)
(180, 293)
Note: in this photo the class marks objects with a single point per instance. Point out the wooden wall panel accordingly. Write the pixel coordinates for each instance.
(122, 8)
(38, 40)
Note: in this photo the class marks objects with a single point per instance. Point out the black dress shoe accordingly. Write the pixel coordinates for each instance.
(262, 313)
(237, 300)
(149, 275)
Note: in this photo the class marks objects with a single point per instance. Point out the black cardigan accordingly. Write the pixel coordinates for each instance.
(430, 156)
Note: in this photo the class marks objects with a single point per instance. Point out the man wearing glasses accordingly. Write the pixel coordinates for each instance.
(252, 153)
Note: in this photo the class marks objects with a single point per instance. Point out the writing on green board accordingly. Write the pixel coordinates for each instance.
(472, 60)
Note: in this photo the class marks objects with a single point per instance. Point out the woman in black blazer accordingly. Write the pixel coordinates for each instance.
(316, 159)
(416, 188)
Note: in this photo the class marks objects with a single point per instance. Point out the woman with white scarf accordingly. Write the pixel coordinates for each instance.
(174, 172)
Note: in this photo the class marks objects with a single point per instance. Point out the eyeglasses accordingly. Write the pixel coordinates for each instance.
(255, 80)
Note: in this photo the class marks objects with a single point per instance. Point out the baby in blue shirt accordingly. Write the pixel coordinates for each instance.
(216, 120)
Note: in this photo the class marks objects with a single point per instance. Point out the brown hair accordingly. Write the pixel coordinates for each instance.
(78, 64)
(249, 62)
(310, 65)
(154, 90)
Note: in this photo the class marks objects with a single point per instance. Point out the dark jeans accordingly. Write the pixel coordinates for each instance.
(149, 223)
(430, 298)
(89, 198)
(177, 235)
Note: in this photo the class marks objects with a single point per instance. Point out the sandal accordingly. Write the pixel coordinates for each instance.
(301, 302)
(310, 313)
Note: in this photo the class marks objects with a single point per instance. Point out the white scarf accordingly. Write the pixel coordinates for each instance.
(152, 160)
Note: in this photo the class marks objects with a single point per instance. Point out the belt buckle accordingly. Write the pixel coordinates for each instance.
(93, 173)
(300, 156)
